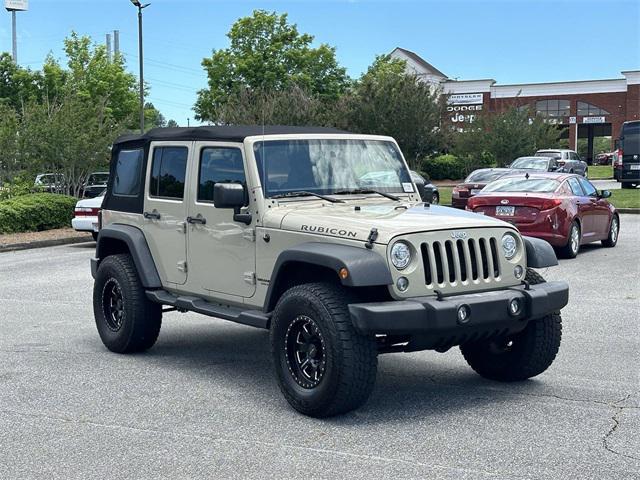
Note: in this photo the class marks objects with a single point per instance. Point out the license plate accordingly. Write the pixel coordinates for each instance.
(503, 211)
(635, 166)
(475, 191)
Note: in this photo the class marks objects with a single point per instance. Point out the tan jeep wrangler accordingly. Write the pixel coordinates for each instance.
(320, 237)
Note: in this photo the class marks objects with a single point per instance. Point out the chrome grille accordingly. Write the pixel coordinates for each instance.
(462, 261)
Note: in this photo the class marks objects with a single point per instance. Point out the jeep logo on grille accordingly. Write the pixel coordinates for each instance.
(458, 234)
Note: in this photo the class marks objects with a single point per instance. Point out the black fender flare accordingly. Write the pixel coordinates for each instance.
(137, 246)
(366, 268)
(540, 254)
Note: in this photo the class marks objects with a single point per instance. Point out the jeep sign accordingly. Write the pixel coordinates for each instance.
(20, 5)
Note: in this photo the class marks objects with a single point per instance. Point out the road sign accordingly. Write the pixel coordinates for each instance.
(20, 5)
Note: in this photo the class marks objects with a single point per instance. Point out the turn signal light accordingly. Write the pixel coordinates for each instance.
(343, 273)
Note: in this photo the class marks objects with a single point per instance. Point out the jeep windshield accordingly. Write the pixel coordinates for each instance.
(330, 166)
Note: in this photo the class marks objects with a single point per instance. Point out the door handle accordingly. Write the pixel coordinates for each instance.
(198, 219)
(151, 215)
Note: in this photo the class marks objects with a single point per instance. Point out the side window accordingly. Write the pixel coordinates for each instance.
(128, 173)
(219, 164)
(168, 172)
(565, 189)
(588, 188)
(575, 186)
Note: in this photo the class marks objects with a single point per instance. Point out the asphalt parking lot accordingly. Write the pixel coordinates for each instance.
(204, 401)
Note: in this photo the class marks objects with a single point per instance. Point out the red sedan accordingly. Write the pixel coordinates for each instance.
(566, 210)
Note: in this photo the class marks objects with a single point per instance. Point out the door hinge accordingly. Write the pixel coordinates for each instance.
(249, 234)
(250, 278)
(182, 227)
(182, 266)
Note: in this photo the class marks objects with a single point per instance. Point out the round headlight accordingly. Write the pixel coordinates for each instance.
(400, 255)
(509, 245)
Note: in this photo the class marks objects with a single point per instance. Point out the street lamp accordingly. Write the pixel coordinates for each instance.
(140, 6)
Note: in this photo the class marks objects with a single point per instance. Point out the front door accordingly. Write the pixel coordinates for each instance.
(600, 209)
(221, 251)
(165, 209)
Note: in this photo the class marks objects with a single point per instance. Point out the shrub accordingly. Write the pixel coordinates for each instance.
(36, 212)
(452, 167)
(444, 167)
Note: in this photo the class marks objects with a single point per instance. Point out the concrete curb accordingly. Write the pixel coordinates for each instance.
(44, 243)
(629, 210)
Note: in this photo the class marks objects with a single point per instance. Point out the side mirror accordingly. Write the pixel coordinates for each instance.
(228, 195)
(605, 194)
(232, 195)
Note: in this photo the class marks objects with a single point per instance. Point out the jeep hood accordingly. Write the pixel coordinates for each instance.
(390, 218)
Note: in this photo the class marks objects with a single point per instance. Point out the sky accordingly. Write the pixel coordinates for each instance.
(511, 41)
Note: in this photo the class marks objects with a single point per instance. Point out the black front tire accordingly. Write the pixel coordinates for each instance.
(343, 363)
(614, 232)
(126, 320)
(519, 356)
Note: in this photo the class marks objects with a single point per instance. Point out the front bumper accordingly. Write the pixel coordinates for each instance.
(489, 311)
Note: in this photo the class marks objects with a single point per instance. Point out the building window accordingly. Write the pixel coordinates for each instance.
(587, 109)
(553, 108)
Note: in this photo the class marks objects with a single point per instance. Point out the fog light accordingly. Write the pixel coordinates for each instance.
(402, 283)
(518, 271)
(464, 313)
(515, 306)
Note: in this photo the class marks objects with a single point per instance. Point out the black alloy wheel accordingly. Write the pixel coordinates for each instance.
(113, 305)
(305, 352)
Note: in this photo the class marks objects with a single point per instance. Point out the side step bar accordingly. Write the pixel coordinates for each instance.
(253, 318)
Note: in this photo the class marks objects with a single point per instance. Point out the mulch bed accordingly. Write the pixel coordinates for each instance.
(58, 236)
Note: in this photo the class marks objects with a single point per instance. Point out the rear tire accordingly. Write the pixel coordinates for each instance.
(324, 367)
(614, 231)
(571, 249)
(126, 320)
(519, 356)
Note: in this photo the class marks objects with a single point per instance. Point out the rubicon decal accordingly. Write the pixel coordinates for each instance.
(331, 231)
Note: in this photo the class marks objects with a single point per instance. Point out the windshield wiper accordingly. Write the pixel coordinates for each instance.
(365, 191)
(307, 194)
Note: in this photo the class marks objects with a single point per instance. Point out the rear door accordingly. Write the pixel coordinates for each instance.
(165, 209)
(585, 206)
(630, 141)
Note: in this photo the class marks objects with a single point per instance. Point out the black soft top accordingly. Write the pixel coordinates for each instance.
(228, 133)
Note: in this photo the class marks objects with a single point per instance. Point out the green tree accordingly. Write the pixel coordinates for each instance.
(71, 136)
(506, 136)
(8, 142)
(267, 54)
(387, 101)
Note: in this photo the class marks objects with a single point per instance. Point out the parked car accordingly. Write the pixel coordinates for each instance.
(86, 213)
(568, 161)
(626, 167)
(96, 184)
(427, 190)
(50, 182)
(261, 227)
(566, 210)
(476, 181)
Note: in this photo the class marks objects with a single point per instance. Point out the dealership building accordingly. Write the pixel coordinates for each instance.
(586, 109)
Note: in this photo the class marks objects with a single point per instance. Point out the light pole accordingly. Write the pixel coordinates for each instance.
(14, 6)
(140, 6)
